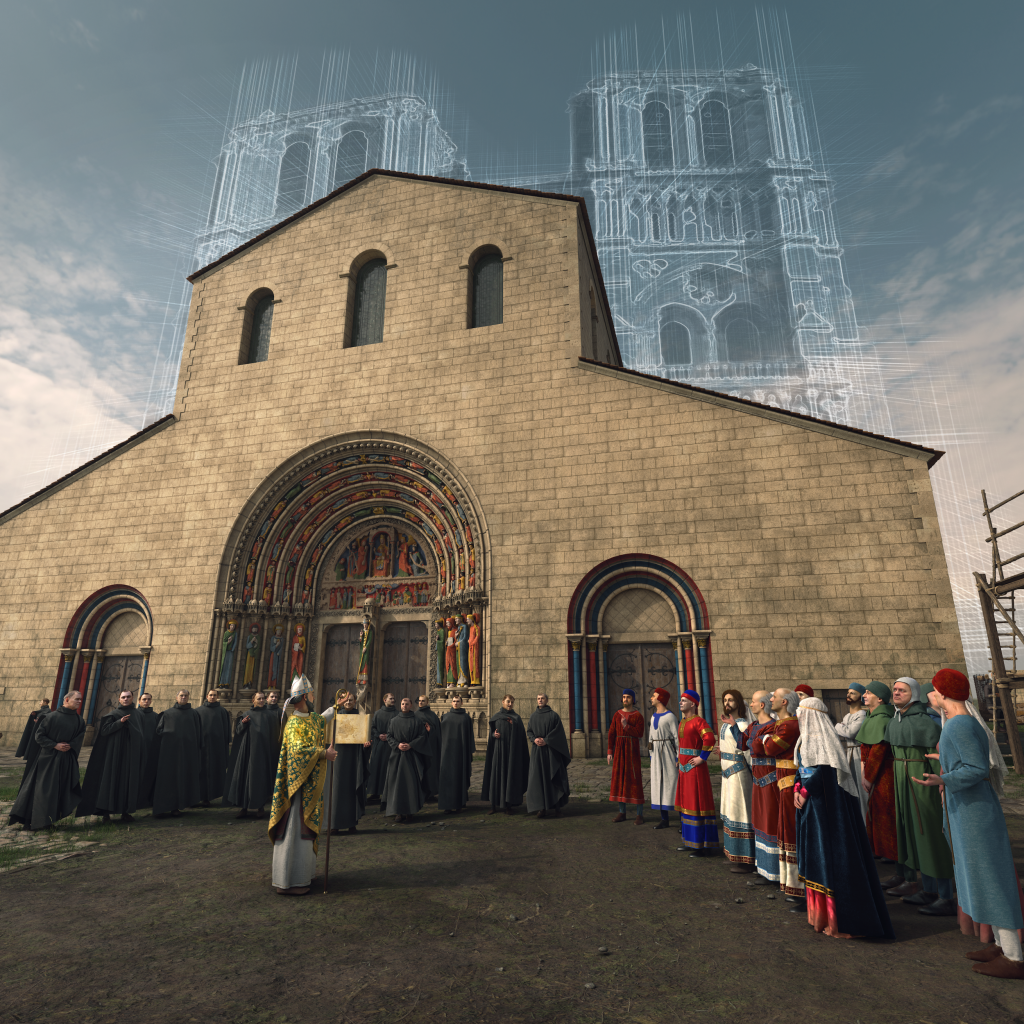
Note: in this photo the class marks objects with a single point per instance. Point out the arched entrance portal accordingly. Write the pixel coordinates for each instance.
(341, 564)
(634, 621)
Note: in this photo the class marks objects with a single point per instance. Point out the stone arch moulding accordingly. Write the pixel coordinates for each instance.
(587, 648)
(78, 667)
(273, 557)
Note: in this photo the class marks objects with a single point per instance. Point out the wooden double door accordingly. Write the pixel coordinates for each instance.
(404, 660)
(643, 668)
(120, 672)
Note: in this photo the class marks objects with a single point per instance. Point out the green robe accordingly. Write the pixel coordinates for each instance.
(913, 733)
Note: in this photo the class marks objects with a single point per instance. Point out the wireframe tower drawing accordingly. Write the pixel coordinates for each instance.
(715, 233)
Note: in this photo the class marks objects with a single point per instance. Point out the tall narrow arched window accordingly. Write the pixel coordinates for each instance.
(488, 286)
(675, 344)
(259, 330)
(657, 136)
(349, 158)
(291, 182)
(368, 314)
(715, 135)
(742, 341)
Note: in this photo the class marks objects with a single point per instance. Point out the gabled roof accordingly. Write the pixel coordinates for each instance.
(579, 200)
(932, 455)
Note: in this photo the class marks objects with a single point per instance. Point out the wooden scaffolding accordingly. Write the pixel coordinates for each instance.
(1005, 637)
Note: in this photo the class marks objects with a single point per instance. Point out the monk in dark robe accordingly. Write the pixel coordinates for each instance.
(346, 775)
(548, 789)
(377, 772)
(216, 744)
(148, 718)
(28, 748)
(252, 766)
(179, 758)
(50, 790)
(433, 751)
(457, 746)
(113, 779)
(508, 759)
(405, 788)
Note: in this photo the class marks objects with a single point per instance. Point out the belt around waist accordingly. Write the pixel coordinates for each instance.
(732, 757)
(763, 761)
(691, 753)
(779, 763)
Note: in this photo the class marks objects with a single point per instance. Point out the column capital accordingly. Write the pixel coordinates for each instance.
(146, 652)
(87, 654)
(592, 642)
(68, 653)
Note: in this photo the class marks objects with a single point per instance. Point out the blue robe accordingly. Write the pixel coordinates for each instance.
(835, 858)
(975, 828)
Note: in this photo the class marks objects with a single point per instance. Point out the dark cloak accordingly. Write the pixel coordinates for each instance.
(377, 772)
(149, 720)
(457, 746)
(347, 791)
(179, 758)
(548, 788)
(252, 766)
(28, 748)
(508, 761)
(216, 724)
(433, 750)
(113, 778)
(835, 857)
(405, 788)
(50, 790)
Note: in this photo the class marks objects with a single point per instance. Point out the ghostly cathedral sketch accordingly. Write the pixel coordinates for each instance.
(715, 233)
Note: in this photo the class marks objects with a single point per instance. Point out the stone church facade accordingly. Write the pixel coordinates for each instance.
(404, 453)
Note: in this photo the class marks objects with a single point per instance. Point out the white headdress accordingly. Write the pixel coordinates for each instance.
(300, 687)
(818, 744)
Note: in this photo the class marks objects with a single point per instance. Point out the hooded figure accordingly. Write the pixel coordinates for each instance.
(114, 776)
(876, 774)
(834, 856)
(548, 787)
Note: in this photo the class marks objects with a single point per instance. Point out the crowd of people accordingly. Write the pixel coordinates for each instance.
(806, 805)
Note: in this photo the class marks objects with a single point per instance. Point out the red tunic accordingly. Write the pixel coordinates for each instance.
(876, 763)
(779, 740)
(764, 801)
(624, 735)
(693, 791)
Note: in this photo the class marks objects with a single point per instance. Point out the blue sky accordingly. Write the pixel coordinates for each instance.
(112, 112)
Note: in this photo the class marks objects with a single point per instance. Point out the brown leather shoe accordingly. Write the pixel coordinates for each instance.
(1001, 967)
(619, 817)
(638, 820)
(906, 889)
(892, 882)
(984, 955)
(741, 869)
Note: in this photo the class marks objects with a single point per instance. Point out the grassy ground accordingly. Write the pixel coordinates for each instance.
(467, 918)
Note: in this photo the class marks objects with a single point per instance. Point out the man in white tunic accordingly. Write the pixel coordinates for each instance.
(847, 731)
(299, 793)
(737, 783)
(663, 744)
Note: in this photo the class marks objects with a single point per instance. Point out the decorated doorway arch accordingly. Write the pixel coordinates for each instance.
(667, 604)
(362, 531)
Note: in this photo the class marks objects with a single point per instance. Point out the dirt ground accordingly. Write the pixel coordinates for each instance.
(453, 918)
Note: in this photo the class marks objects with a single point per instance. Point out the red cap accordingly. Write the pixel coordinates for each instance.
(663, 696)
(804, 689)
(952, 684)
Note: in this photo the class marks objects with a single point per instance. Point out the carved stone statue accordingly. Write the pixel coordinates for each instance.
(252, 645)
(442, 635)
(276, 656)
(462, 635)
(363, 676)
(474, 650)
(228, 644)
(451, 654)
(298, 651)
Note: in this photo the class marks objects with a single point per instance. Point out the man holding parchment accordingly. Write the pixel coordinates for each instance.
(346, 776)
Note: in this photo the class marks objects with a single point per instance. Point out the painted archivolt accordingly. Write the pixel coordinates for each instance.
(366, 521)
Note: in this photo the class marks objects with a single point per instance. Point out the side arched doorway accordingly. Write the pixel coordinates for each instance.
(636, 621)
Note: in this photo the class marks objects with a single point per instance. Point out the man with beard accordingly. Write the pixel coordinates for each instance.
(252, 765)
(404, 789)
(346, 775)
(433, 749)
(298, 804)
(764, 799)
(779, 740)
(216, 743)
(847, 731)
(624, 735)
(179, 752)
(877, 778)
(694, 799)
(506, 766)
(548, 787)
(380, 751)
(921, 845)
(28, 748)
(457, 747)
(113, 779)
(50, 790)
(737, 783)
